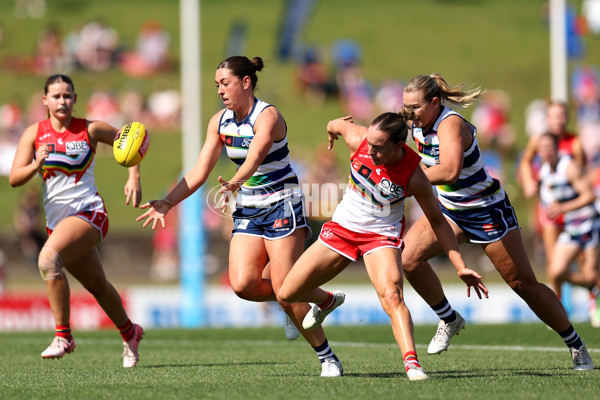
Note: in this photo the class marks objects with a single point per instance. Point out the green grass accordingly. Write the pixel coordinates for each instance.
(521, 361)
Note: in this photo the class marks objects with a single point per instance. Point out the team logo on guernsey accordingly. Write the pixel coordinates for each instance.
(362, 170)
(74, 148)
(327, 233)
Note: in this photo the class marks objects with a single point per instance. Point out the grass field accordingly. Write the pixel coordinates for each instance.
(524, 361)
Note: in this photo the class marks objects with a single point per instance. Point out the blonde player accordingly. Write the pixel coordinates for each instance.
(478, 210)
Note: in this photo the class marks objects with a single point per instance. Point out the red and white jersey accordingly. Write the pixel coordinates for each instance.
(374, 199)
(68, 172)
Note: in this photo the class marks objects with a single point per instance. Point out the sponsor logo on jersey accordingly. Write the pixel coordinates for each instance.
(327, 234)
(389, 188)
(73, 148)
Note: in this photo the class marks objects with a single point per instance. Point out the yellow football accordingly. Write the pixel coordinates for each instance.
(131, 144)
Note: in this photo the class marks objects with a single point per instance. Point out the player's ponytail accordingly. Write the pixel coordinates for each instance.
(435, 85)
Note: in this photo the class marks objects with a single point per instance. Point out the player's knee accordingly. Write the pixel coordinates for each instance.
(243, 290)
(286, 296)
(50, 264)
(391, 298)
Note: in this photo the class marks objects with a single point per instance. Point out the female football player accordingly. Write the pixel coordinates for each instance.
(478, 210)
(61, 150)
(269, 226)
(369, 223)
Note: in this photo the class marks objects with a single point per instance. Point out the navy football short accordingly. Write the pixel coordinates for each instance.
(274, 221)
(486, 224)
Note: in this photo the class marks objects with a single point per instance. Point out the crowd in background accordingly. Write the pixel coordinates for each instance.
(321, 75)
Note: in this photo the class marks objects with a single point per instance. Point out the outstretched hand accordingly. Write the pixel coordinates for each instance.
(158, 210)
(473, 279)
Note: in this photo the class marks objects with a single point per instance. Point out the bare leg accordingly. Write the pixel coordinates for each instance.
(510, 259)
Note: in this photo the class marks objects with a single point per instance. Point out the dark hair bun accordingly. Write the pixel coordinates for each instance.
(258, 64)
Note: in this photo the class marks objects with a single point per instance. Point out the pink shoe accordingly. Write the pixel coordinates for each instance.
(59, 347)
(130, 348)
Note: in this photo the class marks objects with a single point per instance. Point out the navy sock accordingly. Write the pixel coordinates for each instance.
(571, 338)
(444, 311)
(324, 352)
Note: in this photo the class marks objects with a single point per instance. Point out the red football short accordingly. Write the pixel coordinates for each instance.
(98, 219)
(354, 245)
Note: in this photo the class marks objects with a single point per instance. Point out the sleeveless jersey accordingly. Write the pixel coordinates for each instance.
(274, 179)
(555, 187)
(68, 172)
(475, 187)
(374, 198)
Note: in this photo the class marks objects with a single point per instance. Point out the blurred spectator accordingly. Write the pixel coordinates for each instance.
(8, 148)
(165, 107)
(11, 121)
(389, 96)
(535, 118)
(591, 12)
(491, 119)
(50, 55)
(152, 51)
(312, 77)
(133, 107)
(2, 272)
(97, 46)
(103, 105)
(28, 223)
(30, 9)
(586, 95)
(356, 93)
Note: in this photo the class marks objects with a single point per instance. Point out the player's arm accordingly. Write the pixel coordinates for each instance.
(528, 181)
(420, 187)
(450, 135)
(578, 152)
(269, 126)
(24, 167)
(582, 185)
(352, 134)
(101, 132)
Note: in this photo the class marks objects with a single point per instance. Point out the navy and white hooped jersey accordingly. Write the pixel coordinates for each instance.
(274, 179)
(555, 187)
(474, 187)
